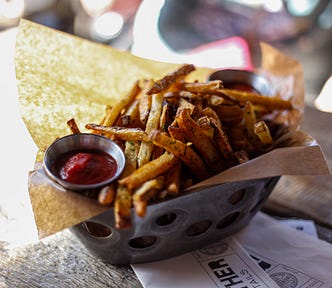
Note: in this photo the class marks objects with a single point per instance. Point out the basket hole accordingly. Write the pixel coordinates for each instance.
(142, 242)
(228, 220)
(237, 196)
(166, 219)
(198, 228)
(96, 230)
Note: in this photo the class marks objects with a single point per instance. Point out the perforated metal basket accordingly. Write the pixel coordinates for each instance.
(185, 223)
(178, 225)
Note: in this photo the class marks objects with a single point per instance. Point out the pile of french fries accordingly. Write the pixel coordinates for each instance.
(175, 133)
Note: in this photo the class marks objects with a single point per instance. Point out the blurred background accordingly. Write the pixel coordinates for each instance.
(168, 29)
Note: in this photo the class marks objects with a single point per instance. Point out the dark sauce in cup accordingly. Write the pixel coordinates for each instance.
(242, 80)
(241, 87)
(85, 166)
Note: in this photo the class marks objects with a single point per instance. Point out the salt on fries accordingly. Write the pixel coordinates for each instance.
(175, 133)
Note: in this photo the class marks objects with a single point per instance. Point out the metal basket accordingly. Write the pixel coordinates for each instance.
(176, 226)
(187, 222)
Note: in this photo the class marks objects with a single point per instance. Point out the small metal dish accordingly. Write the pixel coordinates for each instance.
(81, 141)
(233, 76)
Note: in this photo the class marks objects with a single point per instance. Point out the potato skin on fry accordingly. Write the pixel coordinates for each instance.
(200, 140)
(273, 103)
(73, 126)
(107, 194)
(168, 80)
(123, 197)
(208, 87)
(122, 207)
(116, 109)
(189, 157)
(122, 133)
(148, 171)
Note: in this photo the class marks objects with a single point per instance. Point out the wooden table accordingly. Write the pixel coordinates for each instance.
(62, 261)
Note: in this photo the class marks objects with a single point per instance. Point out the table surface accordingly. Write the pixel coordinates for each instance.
(61, 260)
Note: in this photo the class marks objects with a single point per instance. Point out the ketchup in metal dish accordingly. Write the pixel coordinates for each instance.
(86, 167)
(241, 87)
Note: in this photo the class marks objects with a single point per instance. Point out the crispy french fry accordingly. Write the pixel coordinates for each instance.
(117, 108)
(215, 100)
(184, 104)
(238, 139)
(122, 207)
(146, 149)
(222, 141)
(148, 189)
(173, 178)
(205, 124)
(229, 113)
(130, 117)
(165, 116)
(242, 97)
(131, 153)
(201, 142)
(188, 94)
(176, 133)
(164, 83)
(189, 157)
(123, 198)
(249, 118)
(145, 102)
(261, 110)
(140, 207)
(107, 113)
(107, 194)
(145, 192)
(209, 112)
(263, 132)
(73, 126)
(207, 87)
(148, 171)
(122, 133)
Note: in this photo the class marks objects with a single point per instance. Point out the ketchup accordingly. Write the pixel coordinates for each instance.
(86, 167)
(241, 87)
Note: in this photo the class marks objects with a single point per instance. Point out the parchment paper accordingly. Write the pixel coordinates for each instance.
(60, 76)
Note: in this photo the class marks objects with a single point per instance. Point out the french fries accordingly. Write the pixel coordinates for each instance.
(115, 110)
(73, 126)
(123, 197)
(107, 194)
(146, 149)
(164, 83)
(273, 103)
(145, 192)
(200, 140)
(175, 133)
(207, 87)
(122, 133)
(189, 157)
(263, 132)
(148, 171)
